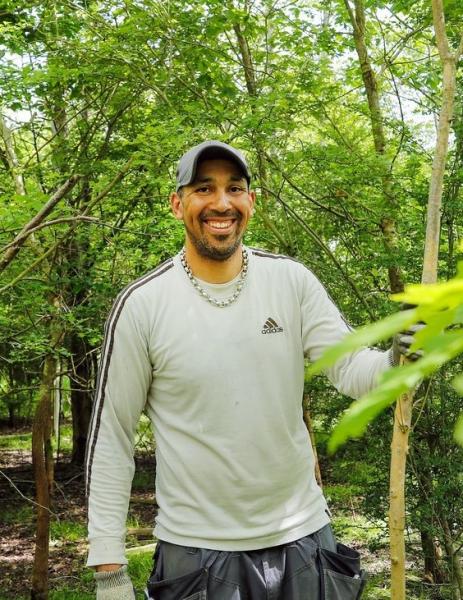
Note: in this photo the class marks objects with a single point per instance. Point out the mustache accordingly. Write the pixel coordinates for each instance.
(210, 214)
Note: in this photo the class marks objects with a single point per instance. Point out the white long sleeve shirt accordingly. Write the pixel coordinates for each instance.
(223, 388)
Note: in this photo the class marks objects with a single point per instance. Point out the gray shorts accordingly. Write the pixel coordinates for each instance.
(314, 567)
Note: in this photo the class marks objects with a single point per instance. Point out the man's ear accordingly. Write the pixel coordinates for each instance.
(252, 198)
(176, 205)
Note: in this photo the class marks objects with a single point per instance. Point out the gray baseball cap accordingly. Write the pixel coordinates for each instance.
(187, 165)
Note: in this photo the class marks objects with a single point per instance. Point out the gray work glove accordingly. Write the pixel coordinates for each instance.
(114, 585)
(402, 342)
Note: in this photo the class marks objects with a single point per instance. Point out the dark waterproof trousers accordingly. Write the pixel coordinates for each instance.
(314, 567)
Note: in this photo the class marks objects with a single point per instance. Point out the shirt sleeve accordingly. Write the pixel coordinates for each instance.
(122, 387)
(323, 326)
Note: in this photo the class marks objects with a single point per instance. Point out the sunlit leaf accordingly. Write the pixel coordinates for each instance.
(437, 294)
(458, 384)
(393, 383)
(458, 433)
(364, 336)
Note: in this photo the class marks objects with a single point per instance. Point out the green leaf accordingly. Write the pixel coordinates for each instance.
(437, 295)
(392, 383)
(458, 384)
(458, 433)
(364, 336)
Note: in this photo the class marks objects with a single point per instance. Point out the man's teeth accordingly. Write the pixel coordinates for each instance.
(219, 224)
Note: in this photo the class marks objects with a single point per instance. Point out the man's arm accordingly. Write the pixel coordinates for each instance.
(323, 326)
(122, 387)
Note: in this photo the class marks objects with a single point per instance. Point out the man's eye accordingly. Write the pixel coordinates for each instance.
(203, 189)
(236, 189)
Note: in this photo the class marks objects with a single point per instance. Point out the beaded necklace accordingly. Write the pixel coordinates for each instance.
(205, 294)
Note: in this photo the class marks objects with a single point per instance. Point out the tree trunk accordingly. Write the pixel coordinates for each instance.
(42, 460)
(403, 410)
(81, 398)
(449, 63)
(399, 451)
(387, 224)
(454, 560)
(11, 416)
(308, 424)
(11, 157)
(433, 572)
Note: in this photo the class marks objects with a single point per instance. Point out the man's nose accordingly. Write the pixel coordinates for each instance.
(222, 200)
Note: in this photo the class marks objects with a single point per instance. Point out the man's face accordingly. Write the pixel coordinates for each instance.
(215, 208)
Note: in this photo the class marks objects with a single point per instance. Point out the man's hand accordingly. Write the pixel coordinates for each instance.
(114, 585)
(402, 342)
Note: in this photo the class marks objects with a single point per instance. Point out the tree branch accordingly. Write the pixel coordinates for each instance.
(46, 209)
(316, 238)
(53, 222)
(73, 227)
(442, 41)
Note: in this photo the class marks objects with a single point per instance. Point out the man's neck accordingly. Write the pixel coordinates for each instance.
(213, 271)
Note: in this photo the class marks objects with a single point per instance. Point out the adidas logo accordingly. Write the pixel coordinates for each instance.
(271, 326)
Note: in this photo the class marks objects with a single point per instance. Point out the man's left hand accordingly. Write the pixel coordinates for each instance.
(402, 342)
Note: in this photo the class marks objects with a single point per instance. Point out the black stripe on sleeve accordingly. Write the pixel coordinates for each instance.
(111, 323)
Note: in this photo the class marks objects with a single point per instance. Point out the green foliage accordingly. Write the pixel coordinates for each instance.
(22, 514)
(440, 307)
(86, 87)
(67, 531)
(20, 441)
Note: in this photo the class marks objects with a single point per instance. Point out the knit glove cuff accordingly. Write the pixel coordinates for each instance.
(401, 344)
(114, 585)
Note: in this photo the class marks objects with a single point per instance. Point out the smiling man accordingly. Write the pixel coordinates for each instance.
(212, 345)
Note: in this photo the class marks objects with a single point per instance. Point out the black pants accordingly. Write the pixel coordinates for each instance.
(314, 567)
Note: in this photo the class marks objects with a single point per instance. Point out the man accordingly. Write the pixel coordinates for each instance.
(212, 345)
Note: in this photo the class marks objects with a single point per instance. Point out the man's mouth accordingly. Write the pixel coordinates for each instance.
(220, 226)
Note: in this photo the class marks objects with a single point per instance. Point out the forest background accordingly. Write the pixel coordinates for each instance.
(335, 104)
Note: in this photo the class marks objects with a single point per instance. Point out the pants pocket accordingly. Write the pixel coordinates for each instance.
(192, 586)
(342, 578)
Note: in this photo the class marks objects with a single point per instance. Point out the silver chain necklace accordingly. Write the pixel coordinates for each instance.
(206, 295)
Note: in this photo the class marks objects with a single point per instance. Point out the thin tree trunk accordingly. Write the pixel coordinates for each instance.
(449, 62)
(11, 416)
(42, 461)
(433, 572)
(81, 400)
(308, 424)
(454, 560)
(387, 224)
(399, 451)
(11, 157)
(403, 409)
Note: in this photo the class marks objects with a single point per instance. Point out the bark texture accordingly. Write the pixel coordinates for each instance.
(81, 397)
(449, 62)
(454, 561)
(42, 460)
(399, 452)
(11, 158)
(387, 223)
(309, 425)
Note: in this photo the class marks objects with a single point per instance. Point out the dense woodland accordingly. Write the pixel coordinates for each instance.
(336, 105)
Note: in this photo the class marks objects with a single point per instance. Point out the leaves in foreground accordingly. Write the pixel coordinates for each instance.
(440, 307)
